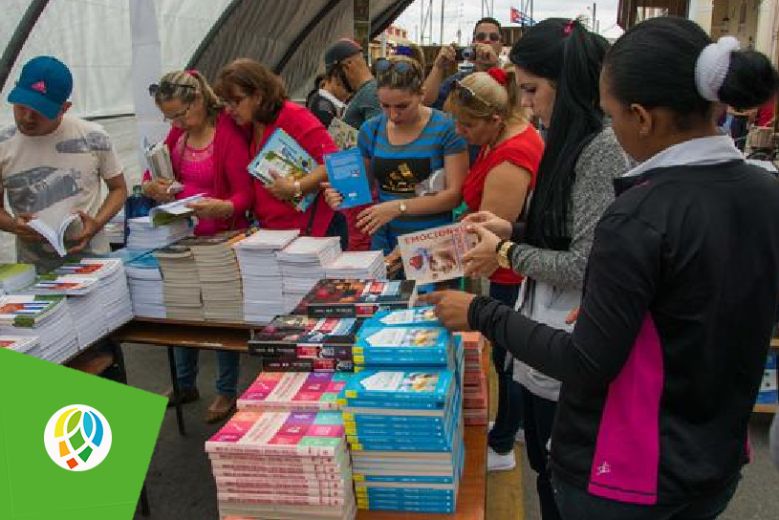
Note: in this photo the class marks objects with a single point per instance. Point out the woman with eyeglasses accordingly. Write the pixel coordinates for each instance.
(209, 155)
(487, 113)
(557, 65)
(256, 99)
(414, 155)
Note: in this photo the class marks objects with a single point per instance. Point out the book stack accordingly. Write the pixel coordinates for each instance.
(220, 277)
(768, 393)
(260, 272)
(296, 343)
(83, 302)
(293, 392)
(415, 346)
(44, 317)
(405, 431)
(282, 465)
(146, 286)
(112, 289)
(181, 285)
(145, 235)
(114, 229)
(302, 265)
(475, 389)
(355, 298)
(21, 344)
(358, 264)
(14, 277)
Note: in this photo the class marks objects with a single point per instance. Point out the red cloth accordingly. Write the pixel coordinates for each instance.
(308, 131)
(524, 150)
(765, 114)
(232, 182)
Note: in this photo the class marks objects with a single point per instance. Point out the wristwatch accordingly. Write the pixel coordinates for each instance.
(503, 249)
(402, 207)
(298, 189)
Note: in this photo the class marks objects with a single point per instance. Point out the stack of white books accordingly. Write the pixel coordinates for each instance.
(112, 290)
(83, 301)
(21, 344)
(114, 228)
(263, 297)
(16, 276)
(220, 277)
(303, 264)
(181, 285)
(290, 465)
(44, 317)
(144, 235)
(146, 286)
(358, 264)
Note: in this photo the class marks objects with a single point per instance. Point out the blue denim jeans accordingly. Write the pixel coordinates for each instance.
(576, 504)
(187, 368)
(508, 419)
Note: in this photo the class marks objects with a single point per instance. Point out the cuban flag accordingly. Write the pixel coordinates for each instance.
(515, 16)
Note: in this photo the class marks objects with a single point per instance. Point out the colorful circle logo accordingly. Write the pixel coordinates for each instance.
(77, 437)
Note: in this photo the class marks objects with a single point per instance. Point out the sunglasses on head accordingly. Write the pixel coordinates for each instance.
(166, 88)
(466, 95)
(383, 65)
(483, 37)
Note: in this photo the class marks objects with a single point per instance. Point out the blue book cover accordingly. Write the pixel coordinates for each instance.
(411, 479)
(347, 175)
(415, 316)
(768, 392)
(435, 386)
(283, 156)
(428, 343)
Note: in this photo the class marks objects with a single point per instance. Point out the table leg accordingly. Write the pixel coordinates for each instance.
(176, 392)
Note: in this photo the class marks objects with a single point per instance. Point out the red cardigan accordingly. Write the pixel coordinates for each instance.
(308, 131)
(232, 182)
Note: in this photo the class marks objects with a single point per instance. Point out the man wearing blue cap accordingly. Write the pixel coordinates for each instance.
(51, 160)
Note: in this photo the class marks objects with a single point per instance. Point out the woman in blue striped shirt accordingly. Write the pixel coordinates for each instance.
(416, 159)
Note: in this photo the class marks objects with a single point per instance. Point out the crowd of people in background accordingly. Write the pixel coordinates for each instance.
(673, 273)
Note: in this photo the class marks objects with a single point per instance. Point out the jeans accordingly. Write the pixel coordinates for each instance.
(508, 419)
(577, 504)
(539, 418)
(187, 368)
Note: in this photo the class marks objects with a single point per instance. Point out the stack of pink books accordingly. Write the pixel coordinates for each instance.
(294, 391)
(475, 390)
(283, 465)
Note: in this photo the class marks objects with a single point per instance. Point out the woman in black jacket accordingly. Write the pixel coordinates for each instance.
(662, 368)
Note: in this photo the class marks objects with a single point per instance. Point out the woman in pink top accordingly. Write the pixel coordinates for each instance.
(209, 155)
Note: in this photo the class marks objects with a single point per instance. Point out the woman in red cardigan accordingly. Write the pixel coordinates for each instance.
(209, 155)
(256, 99)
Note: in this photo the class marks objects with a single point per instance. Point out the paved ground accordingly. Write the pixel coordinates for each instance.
(181, 487)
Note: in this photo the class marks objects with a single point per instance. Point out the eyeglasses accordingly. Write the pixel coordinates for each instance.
(166, 88)
(483, 37)
(402, 70)
(465, 95)
(177, 117)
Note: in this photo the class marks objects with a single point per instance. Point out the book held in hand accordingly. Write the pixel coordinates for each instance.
(53, 223)
(434, 255)
(160, 166)
(166, 213)
(283, 156)
(347, 175)
(344, 135)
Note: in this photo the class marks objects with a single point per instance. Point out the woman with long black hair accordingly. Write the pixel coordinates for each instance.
(680, 299)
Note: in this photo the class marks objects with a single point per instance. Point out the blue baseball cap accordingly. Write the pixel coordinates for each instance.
(44, 86)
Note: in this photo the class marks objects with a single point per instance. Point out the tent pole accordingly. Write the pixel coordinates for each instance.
(19, 38)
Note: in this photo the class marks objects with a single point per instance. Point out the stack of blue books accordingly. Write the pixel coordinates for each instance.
(405, 430)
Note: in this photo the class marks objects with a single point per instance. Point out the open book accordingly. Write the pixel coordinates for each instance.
(176, 210)
(434, 255)
(53, 222)
(283, 156)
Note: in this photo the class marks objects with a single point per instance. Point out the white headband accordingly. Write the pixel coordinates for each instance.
(712, 67)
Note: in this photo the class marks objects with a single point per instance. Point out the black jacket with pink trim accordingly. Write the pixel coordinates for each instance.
(661, 371)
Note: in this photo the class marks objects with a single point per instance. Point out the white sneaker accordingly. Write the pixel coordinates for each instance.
(498, 462)
(519, 437)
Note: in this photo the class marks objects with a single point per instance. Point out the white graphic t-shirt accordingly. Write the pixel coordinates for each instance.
(38, 172)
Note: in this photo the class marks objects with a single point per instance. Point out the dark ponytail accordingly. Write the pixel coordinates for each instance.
(565, 53)
(653, 65)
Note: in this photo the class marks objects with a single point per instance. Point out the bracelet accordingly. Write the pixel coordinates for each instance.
(500, 244)
(298, 189)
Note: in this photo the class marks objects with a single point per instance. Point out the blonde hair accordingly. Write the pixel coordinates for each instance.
(410, 79)
(187, 84)
(491, 98)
